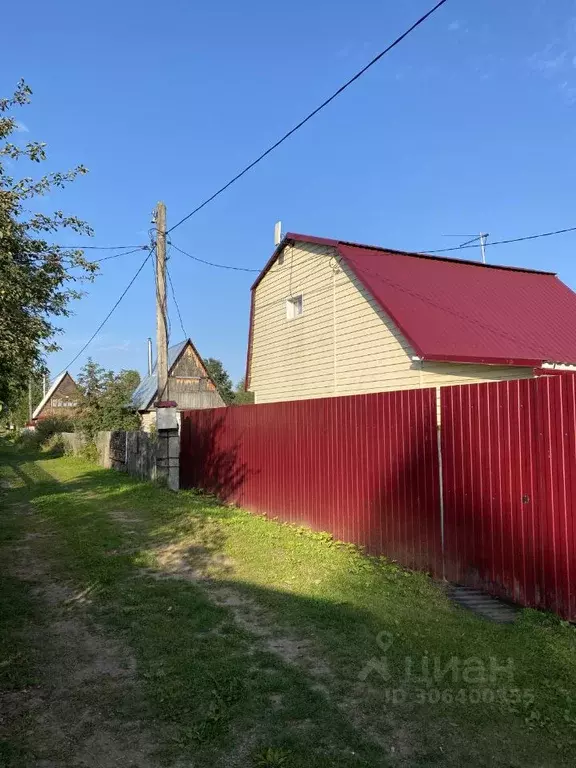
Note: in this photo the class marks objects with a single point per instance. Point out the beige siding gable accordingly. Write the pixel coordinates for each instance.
(343, 343)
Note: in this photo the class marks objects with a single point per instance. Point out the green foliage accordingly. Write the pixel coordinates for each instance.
(45, 430)
(89, 452)
(221, 378)
(104, 399)
(53, 426)
(19, 413)
(36, 284)
(55, 445)
(271, 756)
(241, 397)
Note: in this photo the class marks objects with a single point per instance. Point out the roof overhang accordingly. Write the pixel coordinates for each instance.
(469, 359)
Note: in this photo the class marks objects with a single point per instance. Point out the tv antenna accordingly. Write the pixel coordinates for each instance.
(483, 236)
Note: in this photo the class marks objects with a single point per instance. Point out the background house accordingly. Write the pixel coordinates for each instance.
(189, 385)
(335, 318)
(60, 400)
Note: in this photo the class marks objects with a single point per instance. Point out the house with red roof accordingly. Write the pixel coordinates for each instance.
(329, 318)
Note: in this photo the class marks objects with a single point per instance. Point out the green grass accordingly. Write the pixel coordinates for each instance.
(19, 656)
(211, 685)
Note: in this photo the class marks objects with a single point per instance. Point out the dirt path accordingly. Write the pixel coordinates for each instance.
(189, 561)
(70, 719)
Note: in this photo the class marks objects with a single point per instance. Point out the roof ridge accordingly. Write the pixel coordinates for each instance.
(417, 254)
(450, 259)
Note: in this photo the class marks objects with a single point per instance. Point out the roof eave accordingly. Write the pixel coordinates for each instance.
(519, 362)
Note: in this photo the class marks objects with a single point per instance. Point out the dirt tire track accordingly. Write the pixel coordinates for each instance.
(85, 711)
(188, 561)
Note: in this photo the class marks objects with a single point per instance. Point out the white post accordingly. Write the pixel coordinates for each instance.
(149, 356)
(440, 474)
(482, 250)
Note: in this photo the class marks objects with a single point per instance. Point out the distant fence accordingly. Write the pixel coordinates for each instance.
(130, 452)
(366, 468)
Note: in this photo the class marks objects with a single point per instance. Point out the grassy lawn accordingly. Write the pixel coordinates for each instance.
(259, 644)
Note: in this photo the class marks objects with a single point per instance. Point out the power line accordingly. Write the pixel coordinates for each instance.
(100, 247)
(103, 248)
(311, 114)
(96, 247)
(505, 242)
(109, 315)
(211, 263)
(176, 303)
(424, 252)
(126, 253)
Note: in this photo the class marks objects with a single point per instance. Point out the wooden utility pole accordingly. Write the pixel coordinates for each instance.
(30, 410)
(161, 313)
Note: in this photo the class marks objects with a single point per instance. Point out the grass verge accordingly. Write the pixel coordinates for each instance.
(261, 644)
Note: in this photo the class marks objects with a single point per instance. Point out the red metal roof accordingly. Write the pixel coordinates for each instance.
(455, 310)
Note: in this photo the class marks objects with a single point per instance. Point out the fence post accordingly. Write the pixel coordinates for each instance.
(168, 447)
(440, 475)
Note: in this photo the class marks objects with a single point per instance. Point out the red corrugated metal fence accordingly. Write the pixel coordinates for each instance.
(509, 478)
(366, 468)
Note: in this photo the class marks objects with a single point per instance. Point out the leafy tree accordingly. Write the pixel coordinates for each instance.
(221, 378)
(36, 281)
(241, 397)
(104, 399)
(93, 379)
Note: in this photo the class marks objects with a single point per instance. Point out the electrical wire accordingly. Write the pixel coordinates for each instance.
(505, 242)
(100, 247)
(126, 253)
(176, 303)
(424, 252)
(72, 263)
(311, 114)
(211, 263)
(109, 315)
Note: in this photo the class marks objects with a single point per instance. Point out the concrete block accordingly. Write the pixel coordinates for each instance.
(166, 418)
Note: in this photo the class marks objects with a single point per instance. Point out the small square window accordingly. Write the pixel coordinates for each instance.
(294, 307)
(281, 259)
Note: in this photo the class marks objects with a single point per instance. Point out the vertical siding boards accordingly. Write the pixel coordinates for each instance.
(509, 481)
(363, 467)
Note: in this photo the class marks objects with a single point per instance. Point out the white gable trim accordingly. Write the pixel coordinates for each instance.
(48, 395)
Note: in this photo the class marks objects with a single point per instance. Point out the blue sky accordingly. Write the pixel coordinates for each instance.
(469, 125)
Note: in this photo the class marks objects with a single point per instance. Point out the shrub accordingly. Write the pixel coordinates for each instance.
(27, 441)
(89, 452)
(45, 428)
(54, 445)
